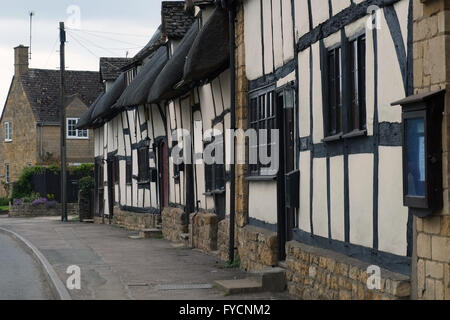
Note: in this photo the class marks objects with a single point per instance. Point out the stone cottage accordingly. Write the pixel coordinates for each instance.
(30, 121)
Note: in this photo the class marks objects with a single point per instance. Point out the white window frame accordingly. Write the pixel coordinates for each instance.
(77, 131)
(7, 173)
(8, 131)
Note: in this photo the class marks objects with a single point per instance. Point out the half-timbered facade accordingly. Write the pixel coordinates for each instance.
(320, 78)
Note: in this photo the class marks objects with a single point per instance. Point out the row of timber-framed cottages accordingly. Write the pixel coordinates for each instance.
(323, 73)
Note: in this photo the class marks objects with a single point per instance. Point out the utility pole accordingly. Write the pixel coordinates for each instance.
(62, 37)
(31, 30)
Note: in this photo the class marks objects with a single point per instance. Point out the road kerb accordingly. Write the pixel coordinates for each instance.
(58, 289)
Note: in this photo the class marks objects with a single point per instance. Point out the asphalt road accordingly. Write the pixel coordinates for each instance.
(20, 276)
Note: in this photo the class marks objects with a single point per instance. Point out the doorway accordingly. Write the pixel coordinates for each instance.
(287, 174)
(163, 174)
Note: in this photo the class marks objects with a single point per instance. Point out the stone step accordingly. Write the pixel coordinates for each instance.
(150, 233)
(239, 286)
(88, 220)
(135, 237)
(272, 279)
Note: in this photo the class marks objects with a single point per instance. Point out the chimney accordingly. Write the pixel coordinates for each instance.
(20, 60)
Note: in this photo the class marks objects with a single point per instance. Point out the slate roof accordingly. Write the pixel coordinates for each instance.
(110, 67)
(175, 20)
(42, 88)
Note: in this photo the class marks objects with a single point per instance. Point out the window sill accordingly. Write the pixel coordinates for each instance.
(261, 178)
(354, 134)
(143, 182)
(76, 138)
(214, 192)
(334, 138)
(8, 141)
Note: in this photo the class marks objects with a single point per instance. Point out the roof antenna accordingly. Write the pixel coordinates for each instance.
(31, 29)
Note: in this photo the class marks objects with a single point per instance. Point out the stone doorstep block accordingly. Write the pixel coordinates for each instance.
(239, 286)
(272, 279)
(150, 233)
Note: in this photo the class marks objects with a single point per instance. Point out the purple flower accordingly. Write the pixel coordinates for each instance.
(39, 201)
(17, 202)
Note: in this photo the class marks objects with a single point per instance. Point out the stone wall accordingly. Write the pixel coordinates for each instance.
(431, 257)
(203, 231)
(22, 150)
(174, 224)
(319, 274)
(223, 239)
(135, 221)
(258, 248)
(41, 210)
(241, 184)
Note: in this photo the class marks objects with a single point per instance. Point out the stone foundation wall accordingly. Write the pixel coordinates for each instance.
(433, 258)
(174, 224)
(135, 221)
(203, 231)
(41, 210)
(319, 274)
(257, 247)
(223, 239)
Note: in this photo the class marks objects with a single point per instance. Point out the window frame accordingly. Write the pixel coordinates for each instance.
(260, 120)
(8, 133)
(77, 131)
(129, 172)
(362, 83)
(339, 130)
(348, 128)
(143, 165)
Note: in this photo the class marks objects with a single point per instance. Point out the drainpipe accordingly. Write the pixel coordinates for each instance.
(232, 17)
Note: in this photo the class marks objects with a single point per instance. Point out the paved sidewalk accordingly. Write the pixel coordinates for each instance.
(116, 267)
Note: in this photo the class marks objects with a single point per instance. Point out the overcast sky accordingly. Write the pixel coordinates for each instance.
(100, 28)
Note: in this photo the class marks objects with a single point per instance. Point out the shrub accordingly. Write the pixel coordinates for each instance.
(4, 201)
(86, 184)
(84, 170)
(23, 187)
(39, 201)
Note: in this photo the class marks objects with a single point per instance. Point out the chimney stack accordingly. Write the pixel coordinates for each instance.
(20, 60)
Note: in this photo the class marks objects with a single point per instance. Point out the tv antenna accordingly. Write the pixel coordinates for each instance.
(31, 13)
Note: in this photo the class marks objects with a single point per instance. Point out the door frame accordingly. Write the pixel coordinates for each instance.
(285, 216)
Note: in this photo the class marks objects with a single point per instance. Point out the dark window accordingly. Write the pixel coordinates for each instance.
(262, 116)
(116, 170)
(129, 171)
(334, 92)
(100, 176)
(209, 177)
(143, 164)
(357, 112)
(215, 173)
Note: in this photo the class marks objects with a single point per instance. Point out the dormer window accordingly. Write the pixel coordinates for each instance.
(8, 132)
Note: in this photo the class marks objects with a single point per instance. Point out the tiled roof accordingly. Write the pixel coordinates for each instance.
(176, 21)
(110, 68)
(43, 90)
